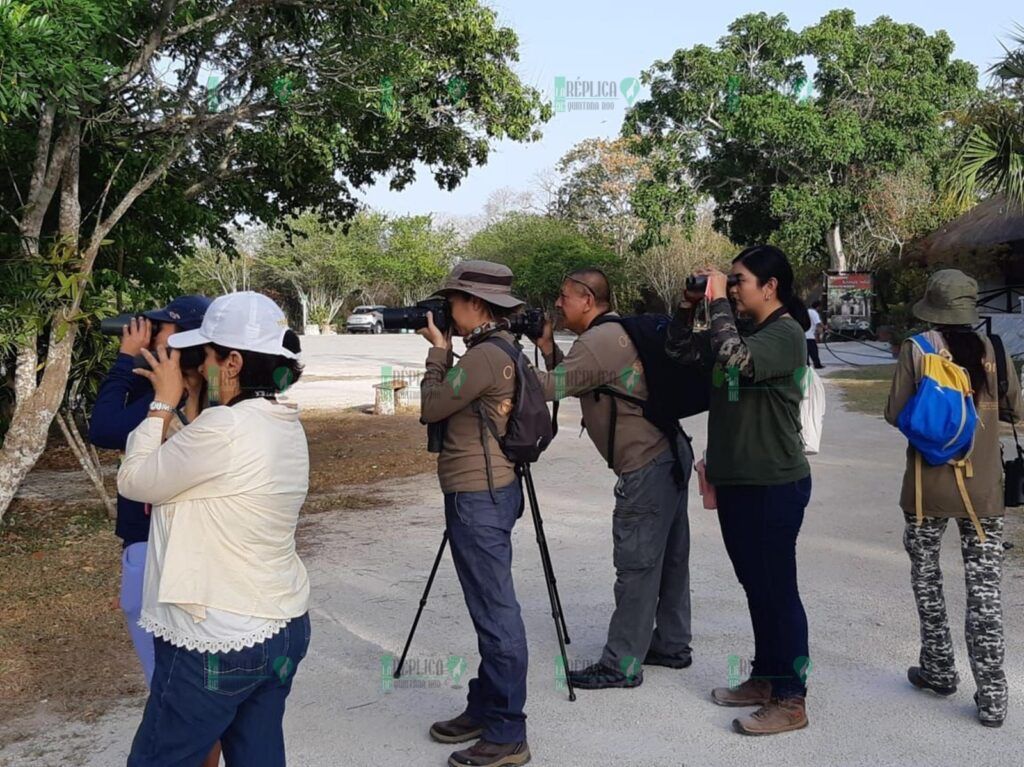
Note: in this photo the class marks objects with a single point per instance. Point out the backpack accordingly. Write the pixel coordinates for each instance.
(674, 391)
(939, 421)
(529, 430)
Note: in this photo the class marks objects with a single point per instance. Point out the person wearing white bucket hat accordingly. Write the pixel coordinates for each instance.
(226, 595)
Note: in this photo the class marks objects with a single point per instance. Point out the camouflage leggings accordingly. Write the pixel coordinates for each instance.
(984, 624)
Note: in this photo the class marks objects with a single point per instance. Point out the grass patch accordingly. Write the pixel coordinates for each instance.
(864, 389)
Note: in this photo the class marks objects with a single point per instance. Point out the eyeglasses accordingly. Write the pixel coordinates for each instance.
(590, 290)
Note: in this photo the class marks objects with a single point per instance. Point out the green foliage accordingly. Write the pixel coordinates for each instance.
(782, 167)
(540, 251)
(991, 152)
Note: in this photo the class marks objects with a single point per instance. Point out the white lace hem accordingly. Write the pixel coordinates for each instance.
(203, 644)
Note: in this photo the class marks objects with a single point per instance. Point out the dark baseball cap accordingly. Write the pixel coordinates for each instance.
(184, 311)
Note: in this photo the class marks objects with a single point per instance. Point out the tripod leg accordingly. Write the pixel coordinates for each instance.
(545, 553)
(423, 601)
(545, 559)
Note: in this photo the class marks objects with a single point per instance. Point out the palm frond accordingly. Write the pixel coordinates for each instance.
(1012, 65)
(991, 160)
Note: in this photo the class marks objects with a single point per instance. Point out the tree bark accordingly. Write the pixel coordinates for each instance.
(834, 241)
(33, 412)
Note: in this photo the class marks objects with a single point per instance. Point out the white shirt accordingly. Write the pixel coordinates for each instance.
(815, 321)
(221, 568)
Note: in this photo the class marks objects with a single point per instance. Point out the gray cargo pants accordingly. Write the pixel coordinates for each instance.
(651, 536)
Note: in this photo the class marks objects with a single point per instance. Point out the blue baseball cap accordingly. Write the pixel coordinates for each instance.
(184, 311)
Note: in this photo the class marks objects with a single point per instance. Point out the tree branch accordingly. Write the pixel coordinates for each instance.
(153, 43)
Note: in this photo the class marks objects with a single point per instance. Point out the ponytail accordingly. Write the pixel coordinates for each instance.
(766, 262)
(968, 351)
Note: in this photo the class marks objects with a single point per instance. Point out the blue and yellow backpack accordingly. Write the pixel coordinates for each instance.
(939, 421)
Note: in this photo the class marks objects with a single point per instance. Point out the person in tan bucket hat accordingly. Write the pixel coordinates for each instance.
(950, 306)
(483, 499)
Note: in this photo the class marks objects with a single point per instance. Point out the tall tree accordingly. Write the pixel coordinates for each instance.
(735, 121)
(599, 177)
(197, 112)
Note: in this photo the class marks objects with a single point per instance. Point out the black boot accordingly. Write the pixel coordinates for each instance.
(917, 678)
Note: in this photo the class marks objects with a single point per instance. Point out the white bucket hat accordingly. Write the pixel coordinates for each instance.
(246, 321)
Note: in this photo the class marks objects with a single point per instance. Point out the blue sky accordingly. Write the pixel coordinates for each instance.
(599, 41)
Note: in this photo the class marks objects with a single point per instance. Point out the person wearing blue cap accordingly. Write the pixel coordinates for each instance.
(121, 405)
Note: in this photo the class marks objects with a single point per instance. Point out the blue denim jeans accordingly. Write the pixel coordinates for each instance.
(480, 532)
(760, 525)
(237, 697)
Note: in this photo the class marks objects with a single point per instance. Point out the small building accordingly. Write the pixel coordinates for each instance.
(987, 242)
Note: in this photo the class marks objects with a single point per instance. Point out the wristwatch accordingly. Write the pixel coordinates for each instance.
(161, 407)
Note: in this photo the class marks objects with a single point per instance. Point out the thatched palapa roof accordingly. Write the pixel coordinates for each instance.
(993, 221)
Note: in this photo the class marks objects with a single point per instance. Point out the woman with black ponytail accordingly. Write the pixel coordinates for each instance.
(755, 462)
(929, 500)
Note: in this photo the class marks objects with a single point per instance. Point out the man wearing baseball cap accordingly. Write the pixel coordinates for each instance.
(121, 404)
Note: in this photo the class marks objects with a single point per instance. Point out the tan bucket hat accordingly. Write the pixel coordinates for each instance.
(484, 279)
(951, 298)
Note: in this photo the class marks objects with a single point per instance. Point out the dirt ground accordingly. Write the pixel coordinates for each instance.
(66, 653)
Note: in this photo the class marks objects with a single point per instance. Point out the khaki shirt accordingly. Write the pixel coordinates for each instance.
(485, 373)
(985, 489)
(604, 355)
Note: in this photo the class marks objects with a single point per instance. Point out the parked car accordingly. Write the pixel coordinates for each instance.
(365, 319)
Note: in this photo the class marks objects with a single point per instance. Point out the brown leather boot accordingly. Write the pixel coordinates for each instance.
(753, 692)
(457, 730)
(483, 753)
(778, 715)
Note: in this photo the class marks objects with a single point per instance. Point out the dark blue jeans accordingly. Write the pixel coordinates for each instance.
(760, 525)
(236, 697)
(480, 532)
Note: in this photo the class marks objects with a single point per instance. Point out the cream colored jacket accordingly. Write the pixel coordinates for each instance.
(232, 482)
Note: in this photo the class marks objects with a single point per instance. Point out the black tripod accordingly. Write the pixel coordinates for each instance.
(561, 631)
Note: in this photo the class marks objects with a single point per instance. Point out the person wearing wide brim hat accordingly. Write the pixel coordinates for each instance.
(465, 406)
(949, 305)
(485, 280)
(951, 298)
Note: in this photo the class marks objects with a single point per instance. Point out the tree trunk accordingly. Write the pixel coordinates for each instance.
(34, 410)
(834, 241)
(87, 459)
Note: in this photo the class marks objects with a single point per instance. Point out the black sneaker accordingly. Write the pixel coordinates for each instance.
(599, 677)
(483, 753)
(917, 678)
(669, 661)
(457, 730)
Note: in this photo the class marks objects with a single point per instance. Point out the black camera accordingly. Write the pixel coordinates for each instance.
(415, 317)
(529, 323)
(191, 357)
(698, 283)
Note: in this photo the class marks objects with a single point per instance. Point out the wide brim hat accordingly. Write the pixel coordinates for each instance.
(487, 281)
(951, 298)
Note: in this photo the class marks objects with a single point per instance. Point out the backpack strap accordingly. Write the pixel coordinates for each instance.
(486, 424)
(1002, 380)
(923, 344)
